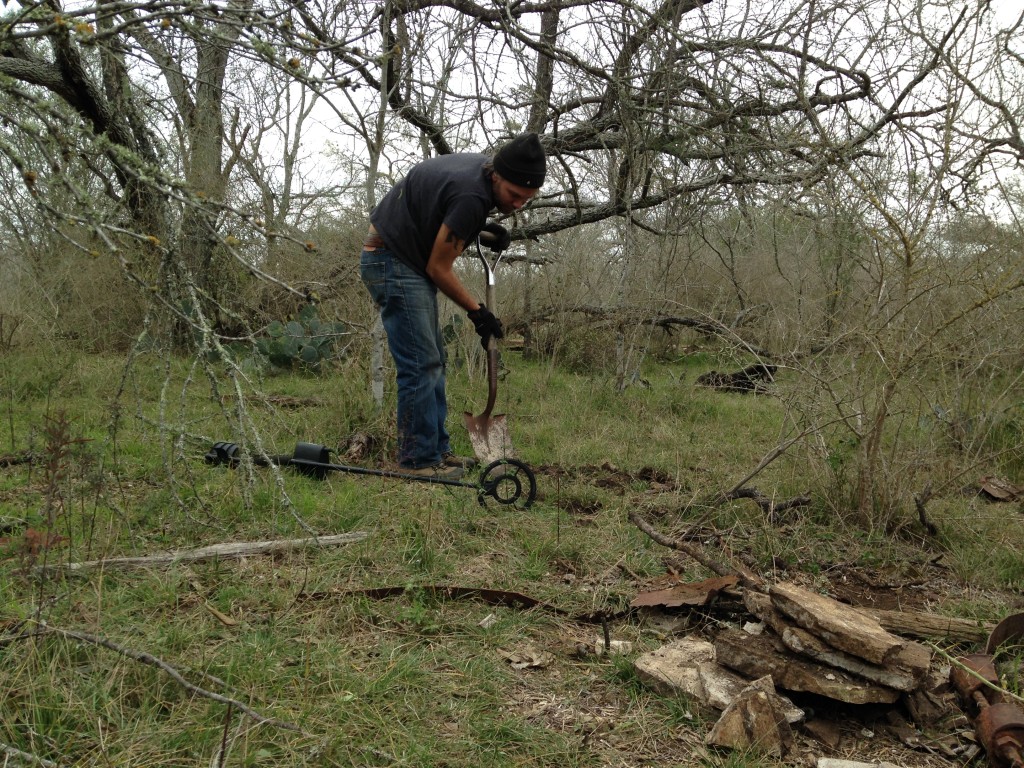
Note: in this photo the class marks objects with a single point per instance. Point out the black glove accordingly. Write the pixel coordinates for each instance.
(495, 237)
(486, 325)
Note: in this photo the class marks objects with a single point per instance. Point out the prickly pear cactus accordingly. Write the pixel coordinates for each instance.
(305, 342)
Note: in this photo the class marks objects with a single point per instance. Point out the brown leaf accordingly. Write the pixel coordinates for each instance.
(224, 619)
(1000, 489)
(527, 657)
(695, 593)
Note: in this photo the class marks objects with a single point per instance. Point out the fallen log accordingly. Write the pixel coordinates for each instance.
(754, 378)
(12, 460)
(213, 552)
(931, 626)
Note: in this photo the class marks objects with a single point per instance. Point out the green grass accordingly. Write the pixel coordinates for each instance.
(414, 678)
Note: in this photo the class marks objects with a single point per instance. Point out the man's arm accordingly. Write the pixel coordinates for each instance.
(441, 268)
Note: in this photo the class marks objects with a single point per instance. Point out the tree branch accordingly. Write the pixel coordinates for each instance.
(153, 661)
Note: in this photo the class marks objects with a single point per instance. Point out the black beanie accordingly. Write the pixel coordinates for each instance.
(522, 161)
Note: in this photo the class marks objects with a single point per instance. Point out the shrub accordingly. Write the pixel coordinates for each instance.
(304, 342)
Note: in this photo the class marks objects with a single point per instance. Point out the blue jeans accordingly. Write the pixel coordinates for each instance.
(408, 309)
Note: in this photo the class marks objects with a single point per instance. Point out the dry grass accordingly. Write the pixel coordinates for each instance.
(418, 677)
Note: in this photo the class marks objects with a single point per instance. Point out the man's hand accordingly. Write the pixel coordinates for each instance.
(495, 237)
(486, 325)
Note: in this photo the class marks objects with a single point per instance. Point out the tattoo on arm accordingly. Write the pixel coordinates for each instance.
(454, 241)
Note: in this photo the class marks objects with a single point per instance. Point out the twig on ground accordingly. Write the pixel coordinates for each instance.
(770, 508)
(153, 661)
(24, 757)
(730, 568)
(213, 552)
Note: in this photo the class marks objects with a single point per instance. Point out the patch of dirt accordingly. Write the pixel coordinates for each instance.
(614, 729)
(481, 569)
(613, 478)
(579, 507)
(867, 589)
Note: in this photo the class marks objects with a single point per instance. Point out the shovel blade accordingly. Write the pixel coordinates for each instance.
(489, 437)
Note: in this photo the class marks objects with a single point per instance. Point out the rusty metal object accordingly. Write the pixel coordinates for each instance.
(1001, 729)
(976, 675)
(1010, 628)
(998, 723)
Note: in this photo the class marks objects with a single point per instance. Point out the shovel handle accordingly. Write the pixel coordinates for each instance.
(492, 344)
(492, 354)
(492, 377)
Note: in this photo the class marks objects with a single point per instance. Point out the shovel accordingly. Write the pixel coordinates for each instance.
(489, 434)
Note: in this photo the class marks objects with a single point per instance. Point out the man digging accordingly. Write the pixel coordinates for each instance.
(416, 232)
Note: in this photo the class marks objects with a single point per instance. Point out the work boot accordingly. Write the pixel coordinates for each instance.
(439, 471)
(464, 462)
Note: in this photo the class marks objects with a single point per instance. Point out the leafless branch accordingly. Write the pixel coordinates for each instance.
(149, 659)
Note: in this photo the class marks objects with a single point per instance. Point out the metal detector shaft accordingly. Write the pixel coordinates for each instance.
(507, 481)
(306, 466)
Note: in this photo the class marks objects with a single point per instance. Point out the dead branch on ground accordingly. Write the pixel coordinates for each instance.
(768, 506)
(212, 552)
(726, 568)
(153, 661)
(24, 757)
(706, 326)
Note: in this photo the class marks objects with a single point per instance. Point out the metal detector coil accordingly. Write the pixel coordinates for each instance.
(506, 481)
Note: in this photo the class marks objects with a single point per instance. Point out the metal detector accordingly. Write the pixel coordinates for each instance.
(509, 482)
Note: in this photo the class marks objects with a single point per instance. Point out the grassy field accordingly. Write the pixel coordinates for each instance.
(367, 653)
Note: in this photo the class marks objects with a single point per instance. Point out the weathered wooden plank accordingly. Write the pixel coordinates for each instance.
(905, 673)
(841, 626)
(757, 655)
(919, 624)
(754, 722)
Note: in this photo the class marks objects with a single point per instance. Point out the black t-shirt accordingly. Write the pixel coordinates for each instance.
(450, 189)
